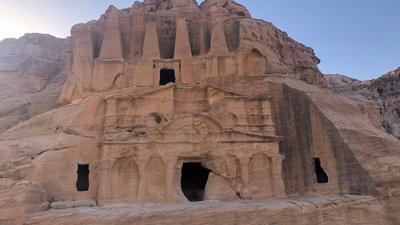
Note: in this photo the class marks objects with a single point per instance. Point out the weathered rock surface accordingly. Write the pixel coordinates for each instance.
(336, 122)
(387, 88)
(19, 199)
(383, 94)
(169, 102)
(114, 51)
(32, 72)
(384, 91)
(341, 83)
(332, 210)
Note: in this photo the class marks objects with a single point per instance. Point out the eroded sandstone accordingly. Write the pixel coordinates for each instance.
(32, 71)
(170, 102)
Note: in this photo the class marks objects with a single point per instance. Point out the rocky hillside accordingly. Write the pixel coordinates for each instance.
(164, 84)
(385, 91)
(33, 70)
(341, 83)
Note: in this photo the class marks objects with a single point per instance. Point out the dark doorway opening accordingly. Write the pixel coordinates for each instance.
(82, 183)
(167, 76)
(322, 177)
(194, 180)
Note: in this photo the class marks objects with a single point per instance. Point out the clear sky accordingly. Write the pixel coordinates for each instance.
(358, 38)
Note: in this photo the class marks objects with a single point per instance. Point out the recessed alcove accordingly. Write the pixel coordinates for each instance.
(167, 76)
(193, 181)
(82, 182)
(322, 177)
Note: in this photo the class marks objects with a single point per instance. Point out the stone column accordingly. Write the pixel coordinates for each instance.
(170, 177)
(112, 47)
(244, 172)
(156, 77)
(105, 186)
(278, 188)
(141, 163)
(182, 43)
(151, 48)
(218, 44)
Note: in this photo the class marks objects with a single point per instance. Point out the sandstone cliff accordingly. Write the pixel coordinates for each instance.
(33, 69)
(167, 85)
(383, 95)
(108, 53)
(383, 91)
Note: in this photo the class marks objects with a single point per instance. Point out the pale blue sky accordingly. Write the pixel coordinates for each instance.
(358, 38)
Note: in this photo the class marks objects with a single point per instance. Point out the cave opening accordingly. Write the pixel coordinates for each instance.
(193, 181)
(82, 182)
(322, 177)
(167, 76)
